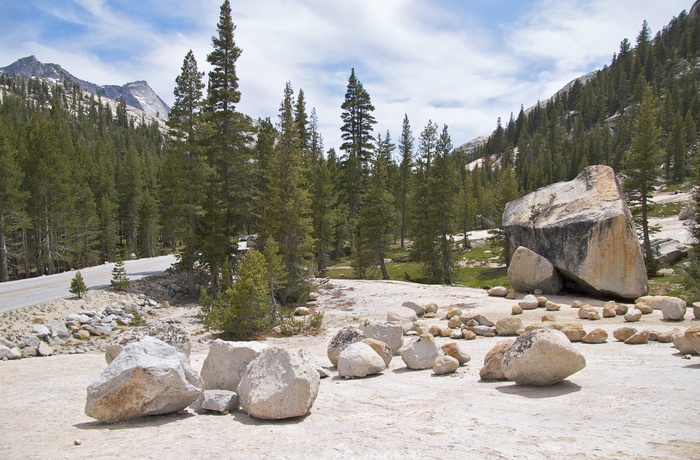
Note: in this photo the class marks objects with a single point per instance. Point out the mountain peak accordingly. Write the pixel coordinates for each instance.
(137, 94)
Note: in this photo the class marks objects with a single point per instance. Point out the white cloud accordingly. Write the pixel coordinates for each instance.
(413, 56)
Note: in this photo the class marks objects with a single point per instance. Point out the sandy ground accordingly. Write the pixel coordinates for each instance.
(631, 401)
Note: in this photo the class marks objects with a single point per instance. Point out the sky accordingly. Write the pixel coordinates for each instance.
(460, 63)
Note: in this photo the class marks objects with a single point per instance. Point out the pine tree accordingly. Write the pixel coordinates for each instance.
(406, 151)
(287, 213)
(120, 282)
(186, 172)
(376, 219)
(77, 285)
(12, 198)
(641, 167)
(358, 141)
(245, 309)
(229, 152)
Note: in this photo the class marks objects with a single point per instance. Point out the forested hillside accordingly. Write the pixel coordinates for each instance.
(592, 122)
(82, 184)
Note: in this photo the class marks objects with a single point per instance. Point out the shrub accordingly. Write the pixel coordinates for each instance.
(77, 285)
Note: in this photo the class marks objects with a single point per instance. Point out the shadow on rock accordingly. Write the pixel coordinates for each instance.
(552, 391)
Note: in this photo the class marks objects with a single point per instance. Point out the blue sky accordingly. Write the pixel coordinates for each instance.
(463, 63)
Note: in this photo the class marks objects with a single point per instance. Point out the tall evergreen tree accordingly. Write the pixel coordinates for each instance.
(186, 171)
(12, 197)
(641, 167)
(376, 218)
(358, 141)
(229, 141)
(286, 215)
(406, 151)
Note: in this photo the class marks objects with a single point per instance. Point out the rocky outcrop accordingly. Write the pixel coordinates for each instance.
(669, 250)
(226, 363)
(279, 384)
(148, 377)
(541, 357)
(529, 271)
(583, 227)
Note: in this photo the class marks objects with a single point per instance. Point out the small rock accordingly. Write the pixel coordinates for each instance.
(692, 335)
(633, 316)
(226, 363)
(454, 312)
(493, 362)
(551, 306)
(302, 311)
(548, 318)
(434, 330)
(44, 349)
(680, 342)
(403, 315)
(644, 308)
(419, 309)
(456, 334)
(667, 337)
(431, 308)
(81, 335)
(584, 310)
(455, 350)
(77, 442)
(41, 331)
(638, 338)
(29, 352)
(59, 329)
(218, 401)
(342, 339)
(484, 331)
(511, 295)
(609, 311)
(624, 333)
(696, 310)
(445, 365)
(454, 322)
(516, 310)
(593, 315)
(446, 332)
(382, 349)
(508, 326)
(420, 353)
(359, 360)
(542, 301)
(498, 291)
(621, 309)
(32, 341)
(576, 304)
(529, 302)
(468, 335)
(595, 336)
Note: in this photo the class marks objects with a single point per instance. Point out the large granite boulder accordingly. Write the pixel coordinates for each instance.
(279, 384)
(226, 363)
(669, 250)
(583, 227)
(529, 271)
(148, 377)
(541, 357)
(172, 334)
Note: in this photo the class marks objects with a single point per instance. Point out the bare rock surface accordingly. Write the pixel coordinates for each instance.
(583, 227)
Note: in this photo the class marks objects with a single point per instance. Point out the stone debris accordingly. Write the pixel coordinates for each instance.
(445, 364)
(509, 326)
(529, 302)
(624, 333)
(456, 351)
(633, 316)
(498, 291)
(638, 338)
(595, 336)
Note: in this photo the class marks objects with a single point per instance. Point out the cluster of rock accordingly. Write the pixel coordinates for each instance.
(75, 333)
(580, 232)
(369, 349)
(150, 377)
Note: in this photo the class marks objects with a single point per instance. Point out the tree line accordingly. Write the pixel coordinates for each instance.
(84, 184)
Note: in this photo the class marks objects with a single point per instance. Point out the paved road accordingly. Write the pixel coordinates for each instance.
(32, 291)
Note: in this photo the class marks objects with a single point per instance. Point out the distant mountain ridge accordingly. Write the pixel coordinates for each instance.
(137, 94)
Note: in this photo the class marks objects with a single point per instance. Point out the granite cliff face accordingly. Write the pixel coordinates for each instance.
(137, 95)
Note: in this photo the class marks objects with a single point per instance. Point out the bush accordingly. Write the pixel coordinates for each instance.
(77, 285)
(119, 280)
(244, 309)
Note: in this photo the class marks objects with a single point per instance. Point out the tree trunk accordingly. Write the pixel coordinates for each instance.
(4, 275)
